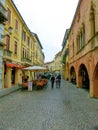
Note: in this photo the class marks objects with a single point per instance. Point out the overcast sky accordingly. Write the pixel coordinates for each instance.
(49, 19)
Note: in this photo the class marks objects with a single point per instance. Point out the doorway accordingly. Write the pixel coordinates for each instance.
(13, 76)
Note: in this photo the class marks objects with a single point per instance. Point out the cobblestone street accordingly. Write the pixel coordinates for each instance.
(67, 108)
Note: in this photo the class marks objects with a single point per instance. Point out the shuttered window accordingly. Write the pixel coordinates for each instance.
(8, 15)
(15, 47)
(7, 42)
(16, 25)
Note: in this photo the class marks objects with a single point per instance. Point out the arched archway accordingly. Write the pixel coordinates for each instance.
(84, 77)
(73, 75)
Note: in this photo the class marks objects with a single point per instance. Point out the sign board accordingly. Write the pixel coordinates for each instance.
(29, 86)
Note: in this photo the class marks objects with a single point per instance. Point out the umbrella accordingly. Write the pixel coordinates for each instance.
(36, 68)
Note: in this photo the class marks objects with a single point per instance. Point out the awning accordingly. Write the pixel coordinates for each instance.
(36, 69)
(9, 64)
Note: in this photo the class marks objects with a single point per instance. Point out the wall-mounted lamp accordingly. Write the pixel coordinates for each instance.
(10, 29)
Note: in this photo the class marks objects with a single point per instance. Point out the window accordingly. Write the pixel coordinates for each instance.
(16, 25)
(9, 15)
(27, 54)
(83, 35)
(31, 45)
(23, 35)
(92, 20)
(28, 40)
(23, 52)
(81, 38)
(15, 47)
(78, 16)
(7, 42)
(73, 48)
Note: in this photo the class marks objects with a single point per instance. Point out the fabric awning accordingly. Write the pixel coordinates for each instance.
(36, 69)
(9, 64)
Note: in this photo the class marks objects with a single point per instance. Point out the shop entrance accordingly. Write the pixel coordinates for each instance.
(13, 76)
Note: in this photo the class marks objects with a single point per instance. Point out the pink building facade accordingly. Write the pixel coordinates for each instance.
(83, 47)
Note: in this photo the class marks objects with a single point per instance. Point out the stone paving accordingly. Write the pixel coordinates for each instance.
(67, 108)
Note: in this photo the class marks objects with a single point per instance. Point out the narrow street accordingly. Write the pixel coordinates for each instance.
(67, 108)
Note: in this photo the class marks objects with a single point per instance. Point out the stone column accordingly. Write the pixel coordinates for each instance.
(79, 81)
(94, 88)
(18, 77)
(8, 77)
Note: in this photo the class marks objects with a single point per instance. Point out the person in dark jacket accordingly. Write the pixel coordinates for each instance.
(58, 81)
(52, 81)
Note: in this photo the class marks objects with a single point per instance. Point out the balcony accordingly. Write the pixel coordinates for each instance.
(26, 60)
(1, 44)
(7, 53)
(3, 17)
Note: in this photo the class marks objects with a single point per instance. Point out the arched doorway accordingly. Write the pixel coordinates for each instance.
(84, 76)
(73, 75)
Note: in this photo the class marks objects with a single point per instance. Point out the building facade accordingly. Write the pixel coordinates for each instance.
(19, 49)
(65, 56)
(38, 53)
(57, 63)
(83, 46)
(50, 66)
(3, 19)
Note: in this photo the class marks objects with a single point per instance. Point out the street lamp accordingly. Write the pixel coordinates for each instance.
(10, 29)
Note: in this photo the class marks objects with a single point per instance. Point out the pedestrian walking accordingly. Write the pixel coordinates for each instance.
(58, 81)
(52, 81)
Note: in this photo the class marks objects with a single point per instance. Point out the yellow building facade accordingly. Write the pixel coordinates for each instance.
(21, 48)
(55, 65)
(65, 56)
(38, 54)
(57, 62)
(50, 66)
(3, 19)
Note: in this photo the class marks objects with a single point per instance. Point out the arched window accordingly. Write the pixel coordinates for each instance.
(81, 38)
(92, 19)
(83, 35)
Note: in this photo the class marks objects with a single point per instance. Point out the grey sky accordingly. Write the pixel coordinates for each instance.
(49, 19)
